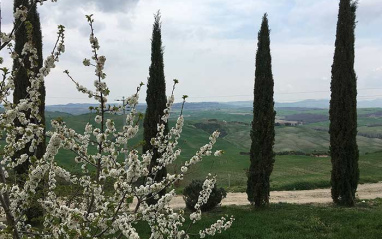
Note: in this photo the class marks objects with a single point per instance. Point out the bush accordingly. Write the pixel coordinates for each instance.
(192, 191)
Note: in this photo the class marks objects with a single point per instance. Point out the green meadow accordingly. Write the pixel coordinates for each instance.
(294, 221)
(301, 161)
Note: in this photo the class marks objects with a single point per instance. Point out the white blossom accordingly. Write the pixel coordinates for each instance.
(86, 62)
(21, 13)
(91, 211)
(98, 119)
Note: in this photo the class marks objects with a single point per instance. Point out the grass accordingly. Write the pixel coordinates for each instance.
(297, 221)
(290, 171)
(300, 138)
(295, 172)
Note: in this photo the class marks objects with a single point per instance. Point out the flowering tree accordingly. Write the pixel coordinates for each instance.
(95, 211)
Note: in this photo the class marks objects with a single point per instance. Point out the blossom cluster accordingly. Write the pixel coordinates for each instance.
(21, 13)
(92, 209)
(28, 133)
(217, 227)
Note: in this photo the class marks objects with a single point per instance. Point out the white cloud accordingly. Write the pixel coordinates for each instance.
(210, 45)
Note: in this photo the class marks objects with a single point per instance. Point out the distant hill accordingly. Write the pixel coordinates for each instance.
(321, 104)
(299, 104)
(77, 108)
(370, 103)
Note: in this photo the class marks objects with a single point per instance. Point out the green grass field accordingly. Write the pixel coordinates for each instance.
(290, 171)
(296, 221)
(305, 138)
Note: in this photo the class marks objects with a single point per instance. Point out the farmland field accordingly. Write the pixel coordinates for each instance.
(301, 163)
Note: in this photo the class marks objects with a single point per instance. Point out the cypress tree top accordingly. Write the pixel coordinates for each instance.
(21, 77)
(263, 55)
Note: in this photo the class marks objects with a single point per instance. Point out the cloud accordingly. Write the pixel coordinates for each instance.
(110, 6)
(6, 12)
(107, 6)
(210, 45)
(369, 11)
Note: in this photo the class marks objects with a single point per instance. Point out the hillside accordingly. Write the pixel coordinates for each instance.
(78, 108)
(301, 163)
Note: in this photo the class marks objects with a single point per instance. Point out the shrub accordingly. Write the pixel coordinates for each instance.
(192, 191)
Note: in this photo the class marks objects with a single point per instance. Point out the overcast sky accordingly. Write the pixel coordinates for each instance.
(209, 45)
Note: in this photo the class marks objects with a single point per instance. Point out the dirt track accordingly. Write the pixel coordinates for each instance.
(365, 191)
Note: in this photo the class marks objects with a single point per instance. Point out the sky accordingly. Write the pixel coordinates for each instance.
(209, 46)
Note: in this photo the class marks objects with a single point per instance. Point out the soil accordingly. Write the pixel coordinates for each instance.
(316, 196)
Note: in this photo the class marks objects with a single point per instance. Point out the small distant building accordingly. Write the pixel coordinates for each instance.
(279, 122)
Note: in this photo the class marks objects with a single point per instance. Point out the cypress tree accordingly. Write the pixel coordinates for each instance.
(21, 81)
(343, 110)
(155, 98)
(262, 132)
(37, 39)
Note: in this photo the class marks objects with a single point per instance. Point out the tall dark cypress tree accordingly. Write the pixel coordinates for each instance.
(263, 132)
(155, 98)
(37, 40)
(21, 81)
(343, 110)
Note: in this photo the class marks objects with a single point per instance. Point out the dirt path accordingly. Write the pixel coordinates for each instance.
(365, 191)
